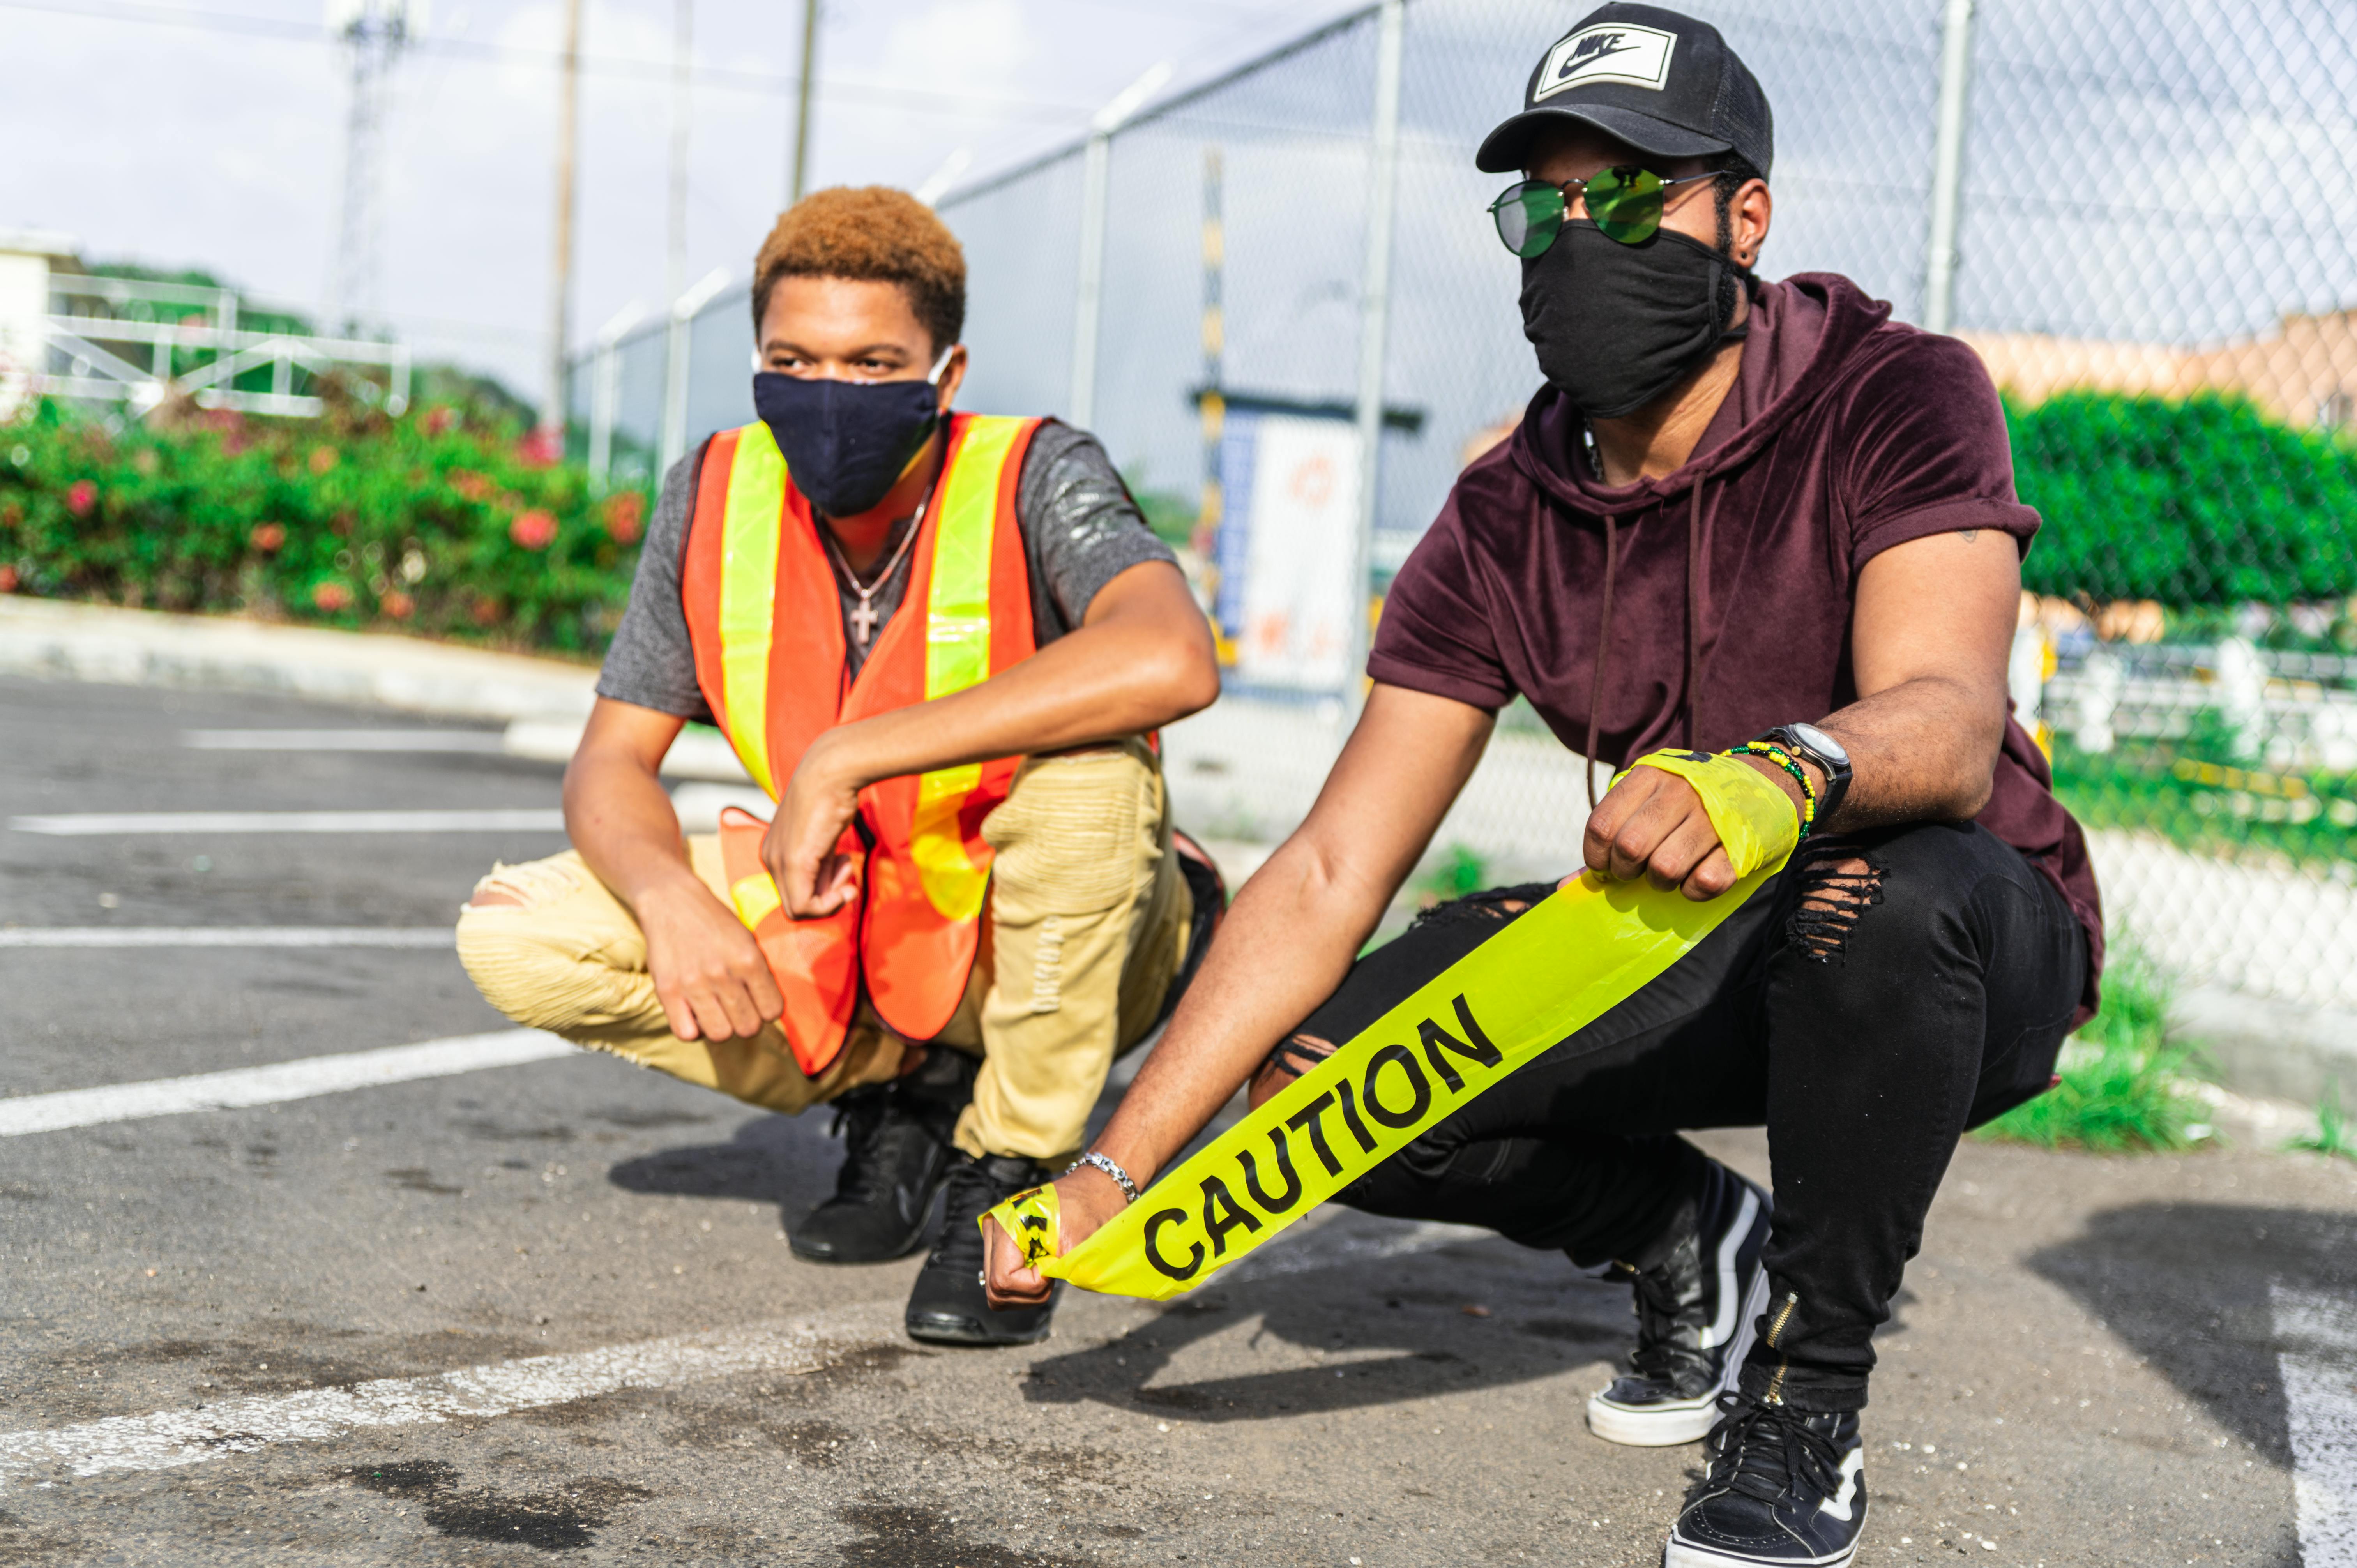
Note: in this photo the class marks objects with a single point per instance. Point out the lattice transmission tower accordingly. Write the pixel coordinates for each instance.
(373, 33)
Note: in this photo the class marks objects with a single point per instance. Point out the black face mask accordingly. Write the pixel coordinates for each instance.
(846, 443)
(1617, 326)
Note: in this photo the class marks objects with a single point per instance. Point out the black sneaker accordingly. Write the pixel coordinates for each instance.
(1698, 1300)
(1784, 1488)
(897, 1154)
(947, 1307)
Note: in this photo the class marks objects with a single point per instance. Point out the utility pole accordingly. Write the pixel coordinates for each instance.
(560, 285)
(1948, 168)
(374, 32)
(795, 185)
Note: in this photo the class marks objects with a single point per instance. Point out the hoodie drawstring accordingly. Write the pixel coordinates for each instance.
(1694, 607)
(1603, 653)
(1604, 623)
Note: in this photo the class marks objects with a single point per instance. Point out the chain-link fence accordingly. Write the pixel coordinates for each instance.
(2153, 249)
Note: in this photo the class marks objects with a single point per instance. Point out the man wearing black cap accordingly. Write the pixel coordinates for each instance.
(1740, 516)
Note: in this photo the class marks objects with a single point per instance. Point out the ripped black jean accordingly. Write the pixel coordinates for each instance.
(1867, 1020)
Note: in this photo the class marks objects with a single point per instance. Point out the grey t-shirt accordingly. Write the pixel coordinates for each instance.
(1080, 528)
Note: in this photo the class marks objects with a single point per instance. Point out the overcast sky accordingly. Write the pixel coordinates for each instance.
(211, 132)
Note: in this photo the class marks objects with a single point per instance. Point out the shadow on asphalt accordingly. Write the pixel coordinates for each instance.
(1540, 1320)
(771, 1159)
(2187, 1286)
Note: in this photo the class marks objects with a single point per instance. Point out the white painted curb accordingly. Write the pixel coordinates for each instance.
(47, 638)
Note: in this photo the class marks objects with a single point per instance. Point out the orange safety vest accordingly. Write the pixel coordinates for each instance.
(766, 622)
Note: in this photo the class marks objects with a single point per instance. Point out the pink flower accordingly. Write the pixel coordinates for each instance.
(267, 537)
(440, 420)
(331, 596)
(82, 496)
(8, 579)
(398, 605)
(541, 447)
(323, 459)
(626, 516)
(533, 530)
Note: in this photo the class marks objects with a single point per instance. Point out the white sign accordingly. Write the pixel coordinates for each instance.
(1637, 56)
(1295, 626)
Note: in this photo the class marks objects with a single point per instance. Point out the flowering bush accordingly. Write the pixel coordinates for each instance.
(435, 523)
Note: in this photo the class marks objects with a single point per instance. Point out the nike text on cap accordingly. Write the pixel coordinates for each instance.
(1666, 85)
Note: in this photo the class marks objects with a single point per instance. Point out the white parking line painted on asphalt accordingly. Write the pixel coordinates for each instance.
(94, 823)
(477, 740)
(2318, 1362)
(171, 1438)
(229, 936)
(241, 1087)
(168, 1439)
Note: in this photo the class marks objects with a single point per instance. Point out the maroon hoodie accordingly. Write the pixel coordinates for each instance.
(1721, 593)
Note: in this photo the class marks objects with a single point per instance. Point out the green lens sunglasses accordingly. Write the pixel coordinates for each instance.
(1625, 203)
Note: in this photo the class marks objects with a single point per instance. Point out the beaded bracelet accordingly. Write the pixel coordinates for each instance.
(1784, 759)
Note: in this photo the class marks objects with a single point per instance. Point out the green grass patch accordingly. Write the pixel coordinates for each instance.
(2180, 790)
(1461, 870)
(2332, 1135)
(2123, 1084)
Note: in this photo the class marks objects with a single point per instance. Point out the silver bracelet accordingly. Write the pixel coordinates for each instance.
(1106, 1163)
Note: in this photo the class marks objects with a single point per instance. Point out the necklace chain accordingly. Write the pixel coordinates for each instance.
(864, 617)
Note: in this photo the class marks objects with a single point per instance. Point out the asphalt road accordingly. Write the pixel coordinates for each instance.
(224, 1334)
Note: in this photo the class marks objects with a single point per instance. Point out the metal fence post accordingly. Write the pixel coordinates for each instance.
(684, 311)
(605, 392)
(1948, 168)
(1096, 179)
(1095, 175)
(1374, 325)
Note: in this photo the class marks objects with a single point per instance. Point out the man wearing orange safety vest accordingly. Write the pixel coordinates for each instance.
(942, 643)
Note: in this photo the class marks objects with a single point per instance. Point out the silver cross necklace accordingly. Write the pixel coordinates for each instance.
(863, 618)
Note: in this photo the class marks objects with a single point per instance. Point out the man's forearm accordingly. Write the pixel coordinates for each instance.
(1241, 1002)
(1097, 683)
(1925, 750)
(620, 820)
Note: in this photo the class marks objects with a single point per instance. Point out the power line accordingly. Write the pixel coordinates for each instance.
(769, 83)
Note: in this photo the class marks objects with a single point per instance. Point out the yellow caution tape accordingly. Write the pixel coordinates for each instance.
(1565, 963)
(1755, 819)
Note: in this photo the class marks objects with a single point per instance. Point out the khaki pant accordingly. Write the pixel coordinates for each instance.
(1086, 928)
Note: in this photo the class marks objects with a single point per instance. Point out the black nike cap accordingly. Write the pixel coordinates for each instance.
(1666, 85)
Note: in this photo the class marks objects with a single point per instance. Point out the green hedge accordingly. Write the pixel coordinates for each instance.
(444, 522)
(2202, 501)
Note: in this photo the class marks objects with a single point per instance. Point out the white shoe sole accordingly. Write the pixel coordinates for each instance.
(1663, 1425)
(1682, 1554)
(1674, 1422)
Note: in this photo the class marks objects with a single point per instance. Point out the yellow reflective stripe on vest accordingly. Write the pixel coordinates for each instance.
(756, 898)
(748, 588)
(957, 655)
(1569, 960)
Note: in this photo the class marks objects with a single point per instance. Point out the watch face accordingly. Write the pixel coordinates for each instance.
(1819, 741)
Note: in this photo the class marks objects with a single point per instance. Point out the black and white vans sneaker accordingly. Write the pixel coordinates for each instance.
(1696, 1310)
(1785, 1489)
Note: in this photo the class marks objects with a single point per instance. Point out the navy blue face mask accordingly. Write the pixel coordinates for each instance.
(846, 443)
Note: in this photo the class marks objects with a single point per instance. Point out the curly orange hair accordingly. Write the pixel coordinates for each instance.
(873, 232)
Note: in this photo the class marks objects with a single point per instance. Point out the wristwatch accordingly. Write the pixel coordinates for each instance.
(1811, 744)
